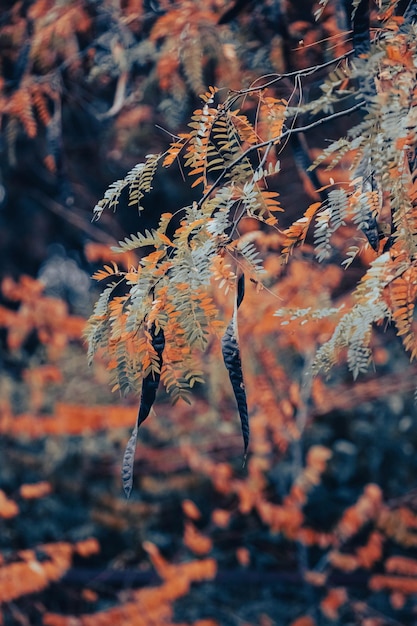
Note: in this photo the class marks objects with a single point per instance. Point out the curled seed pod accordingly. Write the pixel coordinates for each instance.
(149, 388)
(233, 363)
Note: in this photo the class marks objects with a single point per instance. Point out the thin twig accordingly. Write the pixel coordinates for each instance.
(305, 72)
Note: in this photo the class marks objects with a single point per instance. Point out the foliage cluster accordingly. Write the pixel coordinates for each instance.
(320, 527)
(231, 161)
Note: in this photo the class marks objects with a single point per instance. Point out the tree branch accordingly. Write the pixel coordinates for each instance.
(274, 140)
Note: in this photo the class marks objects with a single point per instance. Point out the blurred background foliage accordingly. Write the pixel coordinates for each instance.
(320, 527)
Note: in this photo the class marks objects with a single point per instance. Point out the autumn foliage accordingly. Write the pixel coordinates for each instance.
(267, 291)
